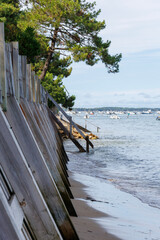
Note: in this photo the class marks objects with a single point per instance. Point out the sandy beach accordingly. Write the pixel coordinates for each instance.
(85, 224)
(115, 217)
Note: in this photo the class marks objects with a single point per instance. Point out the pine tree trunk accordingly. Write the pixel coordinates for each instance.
(50, 54)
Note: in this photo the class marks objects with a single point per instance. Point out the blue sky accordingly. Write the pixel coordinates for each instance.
(134, 30)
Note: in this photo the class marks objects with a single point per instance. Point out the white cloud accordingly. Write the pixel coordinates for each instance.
(141, 98)
(132, 26)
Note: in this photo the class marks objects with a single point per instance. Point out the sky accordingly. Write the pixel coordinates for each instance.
(134, 30)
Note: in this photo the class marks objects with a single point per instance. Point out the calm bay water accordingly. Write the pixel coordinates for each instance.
(127, 154)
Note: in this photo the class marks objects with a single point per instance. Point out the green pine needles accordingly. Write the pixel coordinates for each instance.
(62, 31)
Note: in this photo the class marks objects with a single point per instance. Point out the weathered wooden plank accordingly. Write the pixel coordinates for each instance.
(59, 141)
(37, 85)
(49, 156)
(15, 64)
(8, 84)
(9, 71)
(29, 73)
(49, 134)
(40, 169)
(81, 149)
(24, 75)
(7, 230)
(3, 86)
(28, 83)
(27, 191)
(69, 119)
(43, 96)
(58, 136)
(33, 86)
(21, 93)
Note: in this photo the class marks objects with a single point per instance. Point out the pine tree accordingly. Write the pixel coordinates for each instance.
(73, 30)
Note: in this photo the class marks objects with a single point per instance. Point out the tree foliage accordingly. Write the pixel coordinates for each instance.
(9, 14)
(53, 33)
(73, 29)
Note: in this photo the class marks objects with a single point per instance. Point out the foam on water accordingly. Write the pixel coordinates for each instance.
(127, 152)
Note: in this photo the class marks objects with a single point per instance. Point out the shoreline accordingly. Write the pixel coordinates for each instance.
(86, 224)
(107, 213)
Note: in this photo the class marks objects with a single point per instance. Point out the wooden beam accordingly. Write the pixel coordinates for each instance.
(70, 120)
(29, 83)
(9, 71)
(21, 93)
(15, 63)
(3, 83)
(37, 86)
(78, 145)
(24, 75)
(33, 86)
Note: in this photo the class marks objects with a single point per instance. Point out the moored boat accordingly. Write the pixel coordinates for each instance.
(114, 117)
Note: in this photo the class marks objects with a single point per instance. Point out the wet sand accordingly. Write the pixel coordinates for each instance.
(107, 213)
(86, 224)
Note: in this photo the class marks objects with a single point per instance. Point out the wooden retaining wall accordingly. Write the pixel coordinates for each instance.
(32, 155)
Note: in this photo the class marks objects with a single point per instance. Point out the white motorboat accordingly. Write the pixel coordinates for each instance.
(114, 117)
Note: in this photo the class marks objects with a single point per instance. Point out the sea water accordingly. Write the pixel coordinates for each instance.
(127, 154)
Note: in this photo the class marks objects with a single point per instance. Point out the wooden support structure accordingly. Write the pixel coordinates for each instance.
(29, 74)
(24, 75)
(69, 119)
(16, 71)
(71, 127)
(87, 144)
(3, 83)
(60, 124)
(9, 71)
(7, 224)
(27, 191)
(37, 89)
(33, 86)
(28, 83)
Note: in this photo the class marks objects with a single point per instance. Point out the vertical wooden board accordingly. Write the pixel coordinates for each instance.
(48, 157)
(0, 92)
(36, 130)
(33, 86)
(41, 172)
(60, 149)
(28, 83)
(50, 140)
(15, 64)
(9, 69)
(7, 230)
(48, 133)
(48, 112)
(29, 78)
(3, 94)
(37, 90)
(20, 176)
(8, 83)
(41, 95)
(21, 93)
(24, 74)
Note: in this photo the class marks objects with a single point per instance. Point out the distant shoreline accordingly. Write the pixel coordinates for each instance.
(116, 109)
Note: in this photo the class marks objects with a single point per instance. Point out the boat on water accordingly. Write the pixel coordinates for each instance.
(147, 112)
(114, 117)
(158, 118)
